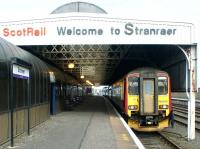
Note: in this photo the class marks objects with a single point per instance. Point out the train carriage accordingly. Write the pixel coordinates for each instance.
(144, 96)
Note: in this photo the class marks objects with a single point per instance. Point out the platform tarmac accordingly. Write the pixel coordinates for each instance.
(91, 125)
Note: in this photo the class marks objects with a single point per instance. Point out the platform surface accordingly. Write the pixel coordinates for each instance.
(91, 125)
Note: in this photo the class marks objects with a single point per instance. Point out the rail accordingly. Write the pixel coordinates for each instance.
(172, 143)
(181, 111)
(185, 100)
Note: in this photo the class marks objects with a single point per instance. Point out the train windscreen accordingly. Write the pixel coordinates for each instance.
(133, 86)
(162, 85)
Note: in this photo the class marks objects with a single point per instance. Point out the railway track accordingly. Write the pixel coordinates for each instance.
(170, 139)
(163, 139)
(180, 109)
(181, 116)
(183, 109)
(156, 140)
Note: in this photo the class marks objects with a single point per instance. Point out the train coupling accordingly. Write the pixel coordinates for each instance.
(149, 120)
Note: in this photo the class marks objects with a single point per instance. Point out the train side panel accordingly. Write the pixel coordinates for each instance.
(117, 95)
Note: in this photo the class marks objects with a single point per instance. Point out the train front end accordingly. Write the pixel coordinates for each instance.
(148, 100)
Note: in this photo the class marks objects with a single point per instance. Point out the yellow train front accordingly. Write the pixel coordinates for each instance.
(145, 97)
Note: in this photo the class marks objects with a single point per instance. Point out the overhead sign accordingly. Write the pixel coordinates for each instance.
(20, 72)
(95, 30)
(88, 70)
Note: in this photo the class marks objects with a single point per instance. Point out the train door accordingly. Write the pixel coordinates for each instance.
(148, 96)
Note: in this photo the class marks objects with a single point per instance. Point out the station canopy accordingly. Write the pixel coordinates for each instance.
(101, 47)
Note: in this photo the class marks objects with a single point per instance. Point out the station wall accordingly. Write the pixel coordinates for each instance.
(40, 91)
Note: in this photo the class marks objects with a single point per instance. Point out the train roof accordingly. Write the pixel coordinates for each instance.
(147, 70)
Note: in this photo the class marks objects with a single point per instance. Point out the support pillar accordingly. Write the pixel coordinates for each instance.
(191, 101)
(191, 57)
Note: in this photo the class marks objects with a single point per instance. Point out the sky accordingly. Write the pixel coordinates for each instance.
(161, 10)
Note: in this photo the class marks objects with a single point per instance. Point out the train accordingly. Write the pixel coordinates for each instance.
(144, 96)
(48, 91)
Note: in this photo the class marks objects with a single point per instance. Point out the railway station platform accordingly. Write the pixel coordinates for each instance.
(93, 124)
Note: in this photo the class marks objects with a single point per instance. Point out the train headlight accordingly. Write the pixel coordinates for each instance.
(133, 107)
(163, 106)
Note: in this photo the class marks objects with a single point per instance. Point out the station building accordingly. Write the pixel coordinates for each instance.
(102, 48)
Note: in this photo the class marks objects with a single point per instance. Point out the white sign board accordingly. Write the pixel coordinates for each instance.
(20, 72)
(88, 70)
(52, 77)
(70, 30)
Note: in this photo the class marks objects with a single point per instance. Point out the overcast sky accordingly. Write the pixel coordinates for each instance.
(162, 9)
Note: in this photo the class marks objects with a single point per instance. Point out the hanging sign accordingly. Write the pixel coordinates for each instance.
(88, 70)
(52, 77)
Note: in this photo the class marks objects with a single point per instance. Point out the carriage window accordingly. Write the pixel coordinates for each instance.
(133, 86)
(162, 85)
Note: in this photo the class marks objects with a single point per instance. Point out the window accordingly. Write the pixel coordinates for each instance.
(20, 92)
(117, 91)
(162, 85)
(148, 86)
(4, 86)
(133, 86)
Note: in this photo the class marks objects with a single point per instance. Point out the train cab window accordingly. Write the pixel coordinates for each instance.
(162, 85)
(133, 86)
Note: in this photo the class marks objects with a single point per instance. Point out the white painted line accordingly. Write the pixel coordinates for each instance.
(13, 147)
(133, 136)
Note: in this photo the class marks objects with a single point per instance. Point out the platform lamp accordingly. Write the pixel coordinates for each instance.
(82, 76)
(71, 66)
(81, 73)
(90, 83)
